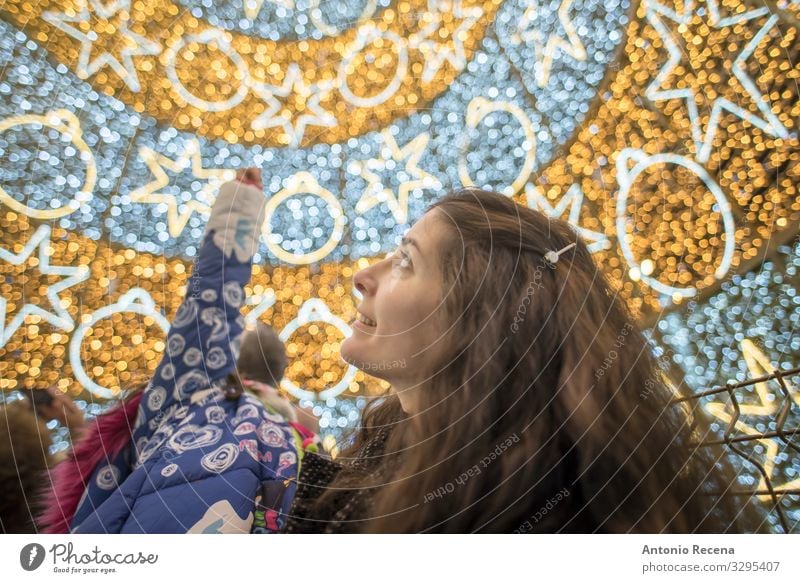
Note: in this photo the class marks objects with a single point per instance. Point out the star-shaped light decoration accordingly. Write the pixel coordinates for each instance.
(768, 123)
(546, 52)
(759, 365)
(572, 200)
(302, 108)
(104, 28)
(404, 162)
(179, 213)
(768, 405)
(58, 317)
(444, 18)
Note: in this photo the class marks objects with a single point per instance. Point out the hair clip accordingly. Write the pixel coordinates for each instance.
(552, 256)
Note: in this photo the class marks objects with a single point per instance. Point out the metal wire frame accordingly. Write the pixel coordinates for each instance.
(731, 440)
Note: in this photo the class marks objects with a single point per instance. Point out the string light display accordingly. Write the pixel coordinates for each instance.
(665, 132)
(745, 331)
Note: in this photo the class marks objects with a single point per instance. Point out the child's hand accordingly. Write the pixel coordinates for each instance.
(250, 176)
(237, 215)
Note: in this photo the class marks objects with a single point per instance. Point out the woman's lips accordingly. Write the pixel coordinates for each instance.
(362, 326)
(367, 321)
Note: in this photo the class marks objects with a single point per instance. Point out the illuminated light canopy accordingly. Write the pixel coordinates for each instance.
(540, 100)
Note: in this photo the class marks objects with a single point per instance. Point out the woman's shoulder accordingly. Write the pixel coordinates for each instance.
(317, 470)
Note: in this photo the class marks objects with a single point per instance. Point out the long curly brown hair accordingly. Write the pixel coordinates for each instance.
(550, 412)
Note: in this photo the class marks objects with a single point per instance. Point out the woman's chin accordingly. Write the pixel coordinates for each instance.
(357, 358)
(351, 353)
(348, 351)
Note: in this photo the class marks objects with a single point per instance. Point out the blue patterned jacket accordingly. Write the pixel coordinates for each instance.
(201, 462)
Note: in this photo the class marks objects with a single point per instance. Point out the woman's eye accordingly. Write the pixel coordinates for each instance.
(401, 259)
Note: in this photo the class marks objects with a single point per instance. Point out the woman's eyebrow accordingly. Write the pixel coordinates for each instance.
(409, 241)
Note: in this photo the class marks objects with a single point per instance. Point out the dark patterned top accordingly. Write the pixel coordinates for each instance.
(347, 508)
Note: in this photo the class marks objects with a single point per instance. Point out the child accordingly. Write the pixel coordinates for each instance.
(204, 452)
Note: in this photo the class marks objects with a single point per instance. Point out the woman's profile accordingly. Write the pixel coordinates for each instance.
(518, 397)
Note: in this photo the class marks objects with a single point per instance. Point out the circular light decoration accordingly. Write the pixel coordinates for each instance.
(368, 35)
(212, 39)
(315, 310)
(136, 301)
(304, 183)
(69, 128)
(477, 110)
(626, 176)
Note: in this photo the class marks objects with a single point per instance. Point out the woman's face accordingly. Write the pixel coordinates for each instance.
(401, 293)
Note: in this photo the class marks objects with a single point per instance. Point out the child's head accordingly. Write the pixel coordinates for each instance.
(262, 357)
(261, 365)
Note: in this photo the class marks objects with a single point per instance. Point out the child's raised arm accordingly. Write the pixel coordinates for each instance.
(202, 344)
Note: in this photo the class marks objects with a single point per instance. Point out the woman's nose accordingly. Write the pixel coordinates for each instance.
(363, 282)
(366, 280)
